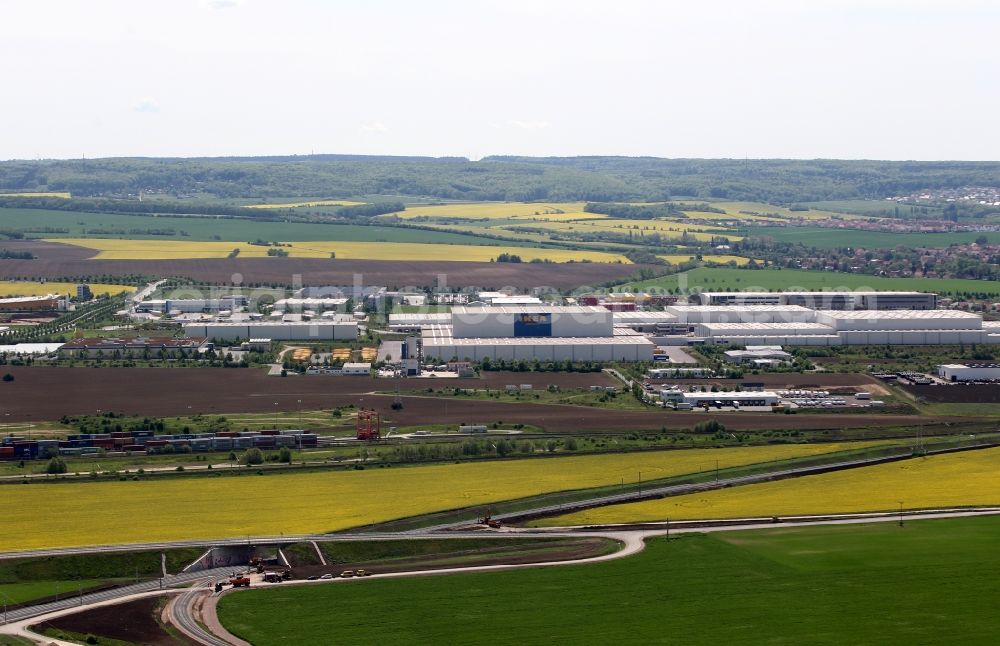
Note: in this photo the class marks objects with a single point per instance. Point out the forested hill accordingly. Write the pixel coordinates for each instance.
(597, 179)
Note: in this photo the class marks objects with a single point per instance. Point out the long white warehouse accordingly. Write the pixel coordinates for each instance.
(306, 331)
(623, 345)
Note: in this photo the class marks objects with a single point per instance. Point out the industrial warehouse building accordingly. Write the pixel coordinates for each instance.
(534, 332)
(48, 303)
(743, 398)
(193, 305)
(826, 300)
(856, 327)
(963, 372)
(137, 348)
(694, 314)
(276, 331)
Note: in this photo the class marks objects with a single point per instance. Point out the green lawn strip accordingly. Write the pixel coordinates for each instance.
(19, 593)
(928, 582)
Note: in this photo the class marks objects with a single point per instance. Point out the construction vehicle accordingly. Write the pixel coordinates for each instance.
(368, 425)
(273, 577)
(240, 581)
(489, 521)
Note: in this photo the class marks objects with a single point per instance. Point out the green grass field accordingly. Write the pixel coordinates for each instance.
(722, 279)
(928, 582)
(205, 228)
(825, 238)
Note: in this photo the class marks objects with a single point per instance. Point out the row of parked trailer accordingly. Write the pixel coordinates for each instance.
(18, 448)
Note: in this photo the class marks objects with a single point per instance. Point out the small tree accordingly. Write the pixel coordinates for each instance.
(56, 466)
(285, 455)
(8, 377)
(252, 456)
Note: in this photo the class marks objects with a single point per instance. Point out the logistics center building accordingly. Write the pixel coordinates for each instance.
(534, 332)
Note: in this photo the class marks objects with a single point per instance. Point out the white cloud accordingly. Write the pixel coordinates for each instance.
(148, 106)
(530, 125)
(374, 126)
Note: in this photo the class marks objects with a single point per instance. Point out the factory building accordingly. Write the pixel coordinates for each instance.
(623, 345)
(963, 372)
(755, 354)
(695, 314)
(743, 398)
(193, 305)
(534, 332)
(302, 331)
(47, 303)
(519, 321)
(844, 300)
(309, 304)
(139, 347)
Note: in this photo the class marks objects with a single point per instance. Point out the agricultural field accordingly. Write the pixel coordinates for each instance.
(61, 195)
(725, 279)
(60, 225)
(964, 479)
(113, 249)
(826, 238)
(26, 288)
(720, 259)
(853, 584)
(510, 210)
(297, 205)
(91, 513)
(760, 210)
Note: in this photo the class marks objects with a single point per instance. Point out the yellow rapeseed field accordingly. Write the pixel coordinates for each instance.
(952, 480)
(495, 210)
(91, 513)
(295, 205)
(722, 259)
(24, 288)
(64, 196)
(113, 249)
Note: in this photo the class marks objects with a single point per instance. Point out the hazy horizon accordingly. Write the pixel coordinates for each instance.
(775, 79)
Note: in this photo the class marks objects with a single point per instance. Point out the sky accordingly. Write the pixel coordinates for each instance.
(849, 79)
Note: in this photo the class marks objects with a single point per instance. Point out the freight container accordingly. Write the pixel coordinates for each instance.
(222, 443)
(270, 432)
(69, 451)
(135, 448)
(292, 432)
(6, 451)
(88, 450)
(242, 442)
(227, 434)
(264, 442)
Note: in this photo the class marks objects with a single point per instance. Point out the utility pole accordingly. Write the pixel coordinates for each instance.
(716, 470)
(900, 513)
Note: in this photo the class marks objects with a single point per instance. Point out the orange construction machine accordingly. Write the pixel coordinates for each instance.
(368, 425)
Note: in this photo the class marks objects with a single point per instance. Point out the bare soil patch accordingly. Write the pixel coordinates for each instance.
(58, 260)
(133, 621)
(47, 393)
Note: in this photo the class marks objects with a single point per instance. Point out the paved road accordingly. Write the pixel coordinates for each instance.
(183, 614)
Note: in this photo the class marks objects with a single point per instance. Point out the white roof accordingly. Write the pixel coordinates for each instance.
(897, 314)
(516, 300)
(643, 317)
(30, 299)
(817, 292)
(776, 327)
(530, 309)
(358, 366)
(441, 335)
(744, 308)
